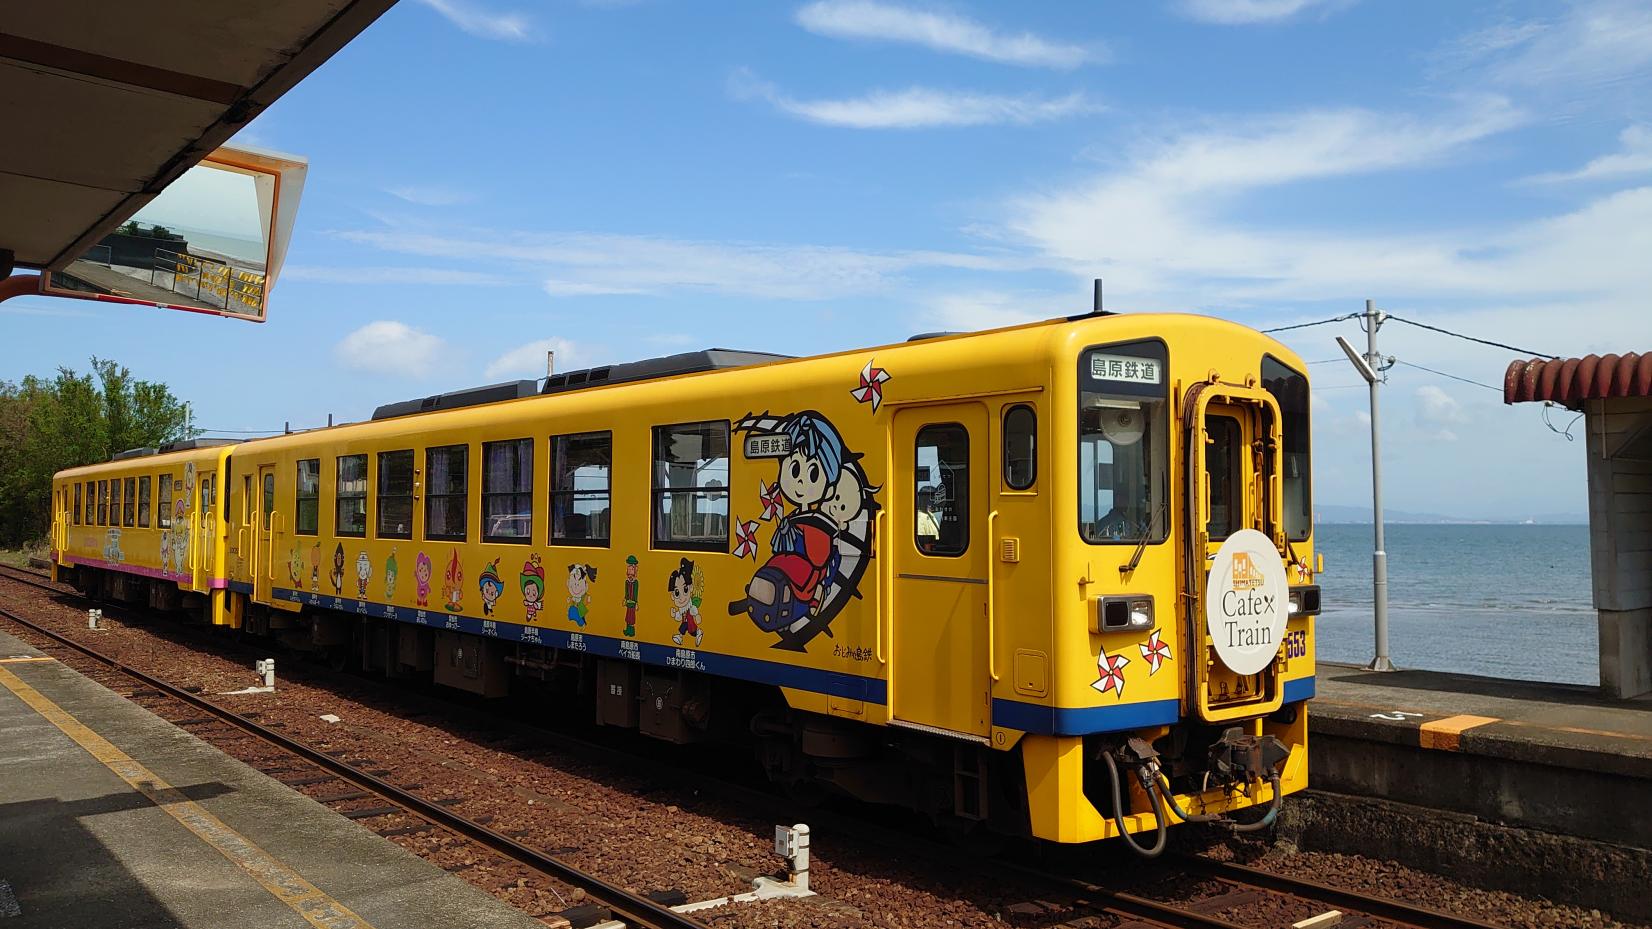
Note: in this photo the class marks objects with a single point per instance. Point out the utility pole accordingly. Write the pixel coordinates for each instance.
(1371, 367)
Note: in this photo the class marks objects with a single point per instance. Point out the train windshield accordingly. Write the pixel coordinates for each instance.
(1122, 462)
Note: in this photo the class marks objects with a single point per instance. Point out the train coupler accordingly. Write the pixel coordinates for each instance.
(1241, 758)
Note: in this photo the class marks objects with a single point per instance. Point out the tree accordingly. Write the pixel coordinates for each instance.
(71, 420)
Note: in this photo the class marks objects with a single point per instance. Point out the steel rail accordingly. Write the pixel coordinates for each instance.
(1388, 908)
(635, 910)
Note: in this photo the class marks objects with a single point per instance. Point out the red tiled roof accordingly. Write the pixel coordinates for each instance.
(1570, 381)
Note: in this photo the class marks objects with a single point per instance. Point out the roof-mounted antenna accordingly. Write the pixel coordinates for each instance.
(1097, 307)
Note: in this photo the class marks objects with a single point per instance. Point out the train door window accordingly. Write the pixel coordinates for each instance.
(1020, 447)
(1223, 457)
(690, 486)
(1290, 389)
(395, 501)
(163, 516)
(507, 491)
(246, 499)
(447, 493)
(76, 517)
(581, 484)
(307, 498)
(350, 496)
(145, 502)
(269, 497)
(940, 520)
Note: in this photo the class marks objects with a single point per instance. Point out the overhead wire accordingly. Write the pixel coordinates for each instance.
(1470, 338)
(1335, 319)
(1452, 376)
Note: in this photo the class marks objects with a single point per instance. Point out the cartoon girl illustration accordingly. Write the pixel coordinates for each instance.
(686, 584)
(491, 586)
(533, 586)
(632, 589)
(364, 570)
(337, 577)
(580, 578)
(422, 570)
(315, 568)
(390, 575)
(453, 584)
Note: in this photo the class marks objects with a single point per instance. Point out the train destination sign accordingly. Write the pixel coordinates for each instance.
(1247, 601)
(1124, 368)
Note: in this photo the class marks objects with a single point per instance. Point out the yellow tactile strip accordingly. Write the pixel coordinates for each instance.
(19, 659)
(1446, 734)
(308, 901)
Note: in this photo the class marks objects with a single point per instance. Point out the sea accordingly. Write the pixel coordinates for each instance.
(1510, 601)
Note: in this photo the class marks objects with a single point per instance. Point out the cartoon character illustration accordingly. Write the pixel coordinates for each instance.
(166, 551)
(632, 589)
(820, 549)
(390, 575)
(422, 569)
(364, 570)
(180, 532)
(491, 586)
(111, 547)
(315, 568)
(533, 586)
(453, 584)
(687, 584)
(337, 577)
(295, 567)
(580, 578)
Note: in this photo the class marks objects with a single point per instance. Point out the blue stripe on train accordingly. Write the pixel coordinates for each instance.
(1055, 720)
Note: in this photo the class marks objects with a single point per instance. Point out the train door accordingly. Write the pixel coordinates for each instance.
(206, 529)
(1236, 582)
(938, 674)
(263, 514)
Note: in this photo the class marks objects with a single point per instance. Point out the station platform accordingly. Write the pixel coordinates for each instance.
(111, 817)
(1513, 783)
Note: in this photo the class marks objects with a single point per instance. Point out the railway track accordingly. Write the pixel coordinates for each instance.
(1240, 886)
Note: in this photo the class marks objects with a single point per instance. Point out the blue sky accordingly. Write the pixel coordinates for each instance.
(491, 178)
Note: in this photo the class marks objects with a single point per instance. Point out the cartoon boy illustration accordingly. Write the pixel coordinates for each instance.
(422, 570)
(632, 588)
(533, 586)
(390, 575)
(686, 584)
(337, 577)
(364, 570)
(491, 586)
(580, 578)
(315, 568)
(453, 584)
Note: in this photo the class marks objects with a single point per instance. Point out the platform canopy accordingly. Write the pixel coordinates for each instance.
(103, 104)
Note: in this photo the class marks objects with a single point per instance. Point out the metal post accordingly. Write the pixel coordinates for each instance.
(1379, 555)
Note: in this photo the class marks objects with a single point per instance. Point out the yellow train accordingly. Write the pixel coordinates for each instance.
(1055, 578)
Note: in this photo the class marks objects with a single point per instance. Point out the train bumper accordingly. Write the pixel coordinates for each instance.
(1061, 810)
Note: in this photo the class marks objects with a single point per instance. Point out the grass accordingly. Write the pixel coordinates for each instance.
(19, 557)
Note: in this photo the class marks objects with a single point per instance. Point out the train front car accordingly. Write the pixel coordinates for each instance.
(1182, 583)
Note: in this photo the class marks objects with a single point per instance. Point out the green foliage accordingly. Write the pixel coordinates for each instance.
(73, 419)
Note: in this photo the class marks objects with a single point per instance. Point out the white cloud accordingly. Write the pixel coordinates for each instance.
(916, 107)
(1235, 12)
(389, 347)
(943, 32)
(528, 359)
(350, 274)
(970, 312)
(509, 27)
(430, 196)
(1439, 413)
(1594, 48)
(1635, 157)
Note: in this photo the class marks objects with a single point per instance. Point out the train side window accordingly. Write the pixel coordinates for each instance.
(690, 486)
(395, 494)
(1222, 462)
(350, 496)
(1290, 389)
(90, 515)
(940, 519)
(447, 493)
(129, 513)
(1020, 447)
(163, 516)
(581, 487)
(307, 498)
(269, 497)
(76, 518)
(114, 501)
(507, 491)
(103, 503)
(145, 502)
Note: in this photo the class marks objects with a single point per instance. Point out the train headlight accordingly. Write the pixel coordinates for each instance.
(1305, 600)
(1121, 613)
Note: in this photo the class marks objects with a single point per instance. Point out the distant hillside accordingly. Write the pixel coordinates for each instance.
(1333, 513)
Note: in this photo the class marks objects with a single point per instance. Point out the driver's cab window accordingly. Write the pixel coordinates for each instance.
(1123, 470)
(940, 519)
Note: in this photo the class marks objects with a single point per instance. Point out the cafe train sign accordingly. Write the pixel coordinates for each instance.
(1246, 601)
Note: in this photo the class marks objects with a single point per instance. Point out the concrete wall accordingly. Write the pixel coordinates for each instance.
(1620, 530)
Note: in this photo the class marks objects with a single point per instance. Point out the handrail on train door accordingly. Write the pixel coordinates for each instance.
(883, 594)
(992, 599)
